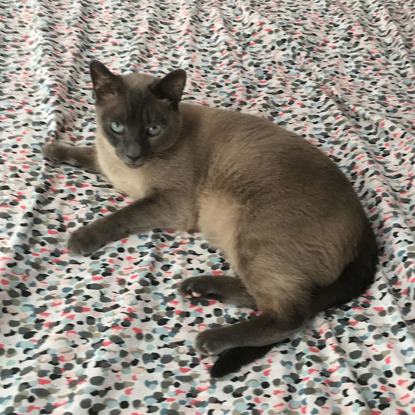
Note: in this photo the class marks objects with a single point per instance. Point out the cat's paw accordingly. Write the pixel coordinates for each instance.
(213, 341)
(84, 241)
(194, 288)
(54, 152)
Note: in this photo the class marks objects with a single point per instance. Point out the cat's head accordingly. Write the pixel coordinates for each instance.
(138, 114)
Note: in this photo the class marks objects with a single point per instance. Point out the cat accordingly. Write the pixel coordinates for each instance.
(283, 213)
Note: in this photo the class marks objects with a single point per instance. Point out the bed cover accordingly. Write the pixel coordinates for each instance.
(109, 334)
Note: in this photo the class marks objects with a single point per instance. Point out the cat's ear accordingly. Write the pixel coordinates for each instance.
(104, 81)
(171, 86)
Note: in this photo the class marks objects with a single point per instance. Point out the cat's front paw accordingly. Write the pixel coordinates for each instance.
(213, 341)
(85, 241)
(54, 152)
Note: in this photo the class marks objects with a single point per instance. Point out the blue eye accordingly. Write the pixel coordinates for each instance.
(117, 127)
(154, 130)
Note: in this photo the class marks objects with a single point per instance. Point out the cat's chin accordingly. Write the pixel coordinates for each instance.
(134, 165)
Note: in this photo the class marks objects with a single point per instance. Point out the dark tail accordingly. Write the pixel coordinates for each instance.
(355, 278)
(353, 281)
(232, 360)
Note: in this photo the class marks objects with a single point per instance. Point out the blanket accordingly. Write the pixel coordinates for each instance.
(108, 334)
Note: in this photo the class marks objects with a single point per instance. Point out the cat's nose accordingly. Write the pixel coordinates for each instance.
(133, 151)
(133, 157)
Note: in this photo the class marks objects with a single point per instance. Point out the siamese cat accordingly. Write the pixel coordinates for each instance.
(285, 216)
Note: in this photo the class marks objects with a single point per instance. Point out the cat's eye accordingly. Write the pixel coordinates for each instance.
(117, 127)
(154, 130)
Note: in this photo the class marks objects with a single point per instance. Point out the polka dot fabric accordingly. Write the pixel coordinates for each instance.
(109, 334)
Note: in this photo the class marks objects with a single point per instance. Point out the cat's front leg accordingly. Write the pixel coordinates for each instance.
(157, 211)
(84, 157)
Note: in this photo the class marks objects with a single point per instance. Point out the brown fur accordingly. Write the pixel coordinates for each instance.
(284, 214)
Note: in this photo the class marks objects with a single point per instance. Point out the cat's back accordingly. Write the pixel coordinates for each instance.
(247, 152)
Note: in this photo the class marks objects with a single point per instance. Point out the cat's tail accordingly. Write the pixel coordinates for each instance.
(356, 277)
(352, 282)
(232, 360)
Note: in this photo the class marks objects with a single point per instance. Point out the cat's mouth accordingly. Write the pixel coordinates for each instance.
(134, 164)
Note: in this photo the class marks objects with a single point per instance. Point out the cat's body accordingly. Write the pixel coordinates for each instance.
(285, 216)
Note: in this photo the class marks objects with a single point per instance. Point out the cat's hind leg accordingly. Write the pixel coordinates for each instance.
(225, 289)
(84, 157)
(284, 304)
(262, 330)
